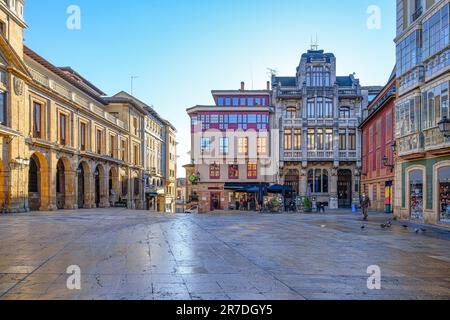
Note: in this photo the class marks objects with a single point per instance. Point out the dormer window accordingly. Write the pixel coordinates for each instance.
(318, 76)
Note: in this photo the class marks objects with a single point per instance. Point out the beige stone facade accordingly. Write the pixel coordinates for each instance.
(63, 144)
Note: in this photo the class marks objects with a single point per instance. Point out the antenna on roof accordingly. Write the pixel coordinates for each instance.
(315, 45)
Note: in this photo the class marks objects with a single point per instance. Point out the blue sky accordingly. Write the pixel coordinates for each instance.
(181, 50)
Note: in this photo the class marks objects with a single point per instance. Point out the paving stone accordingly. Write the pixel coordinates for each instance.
(126, 254)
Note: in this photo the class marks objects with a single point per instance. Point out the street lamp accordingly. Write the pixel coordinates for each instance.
(387, 164)
(444, 126)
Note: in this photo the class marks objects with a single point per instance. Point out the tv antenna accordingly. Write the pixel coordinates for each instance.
(315, 45)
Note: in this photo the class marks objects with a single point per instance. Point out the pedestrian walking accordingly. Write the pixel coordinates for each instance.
(365, 205)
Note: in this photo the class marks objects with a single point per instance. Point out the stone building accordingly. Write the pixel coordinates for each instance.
(232, 150)
(64, 144)
(318, 114)
(153, 134)
(378, 148)
(422, 173)
(170, 159)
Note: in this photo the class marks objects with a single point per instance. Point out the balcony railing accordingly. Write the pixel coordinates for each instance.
(293, 92)
(321, 122)
(352, 122)
(410, 144)
(293, 122)
(292, 155)
(434, 139)
(328, 155)
(350, 155)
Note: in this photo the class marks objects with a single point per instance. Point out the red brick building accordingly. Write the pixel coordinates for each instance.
(378, 149)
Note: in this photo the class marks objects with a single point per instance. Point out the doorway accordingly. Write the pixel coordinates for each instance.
(344, 188)
(215, 201)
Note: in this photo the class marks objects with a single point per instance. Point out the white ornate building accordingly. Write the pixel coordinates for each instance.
(318, 114)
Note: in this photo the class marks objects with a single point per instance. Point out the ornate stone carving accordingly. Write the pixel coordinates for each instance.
(18, 86)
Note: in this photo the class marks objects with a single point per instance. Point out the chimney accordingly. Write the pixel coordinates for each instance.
(268, 85)
(242, 86)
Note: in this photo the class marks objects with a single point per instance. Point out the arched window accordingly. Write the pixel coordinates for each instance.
(444, 194)
(416, 194)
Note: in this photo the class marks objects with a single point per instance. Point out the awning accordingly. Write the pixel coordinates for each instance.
(277, 188)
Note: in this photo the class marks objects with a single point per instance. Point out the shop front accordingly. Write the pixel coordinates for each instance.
(424, 187)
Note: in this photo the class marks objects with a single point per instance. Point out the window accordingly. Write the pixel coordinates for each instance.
(135, 126)
(99, 141)
(62, 129)
(435, 106)
(436, 33)
(243, 145)
(112, 146)
(344, 112)
(83, 136)
(233, 171)
(329, 139)
(214, 171)
(3, 108)
(320, 139)
(291, 112)
(311, 109)
(205, 144)
(220, 102)
(352, 139)
(342, 139)
(318, 181)
(288, 139)
(123, 148)
(2, 28)
(37, 120)
(261, 146)
(408, 53)
(311, 139)
(297, 139)
(224, 146)
(235, 102)
(252, 170)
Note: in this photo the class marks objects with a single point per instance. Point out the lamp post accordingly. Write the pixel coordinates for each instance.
(386, 159)
(444, 126)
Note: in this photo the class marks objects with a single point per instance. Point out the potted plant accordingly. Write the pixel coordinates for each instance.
(307, 204)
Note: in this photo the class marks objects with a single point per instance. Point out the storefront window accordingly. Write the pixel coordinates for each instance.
(444, 194)
(416, 194)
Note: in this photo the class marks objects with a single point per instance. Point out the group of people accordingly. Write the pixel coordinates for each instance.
(247, 205)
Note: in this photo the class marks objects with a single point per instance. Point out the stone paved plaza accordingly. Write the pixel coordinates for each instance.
(136, 255)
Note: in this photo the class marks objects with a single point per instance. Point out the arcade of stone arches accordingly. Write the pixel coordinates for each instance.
(80, 183)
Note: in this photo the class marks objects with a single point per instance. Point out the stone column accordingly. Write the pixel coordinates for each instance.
(70, 197)
(48, 184)
(104, 186)
(334, 203)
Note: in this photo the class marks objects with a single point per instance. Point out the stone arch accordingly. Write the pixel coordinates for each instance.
(65, 184)
(113, 185)
(38, 183)
(100, 187)
(84, 196)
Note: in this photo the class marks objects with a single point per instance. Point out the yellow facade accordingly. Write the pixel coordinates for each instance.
(63, 146)
(171, 169)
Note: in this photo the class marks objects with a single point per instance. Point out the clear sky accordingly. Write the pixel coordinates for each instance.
(181, 50)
